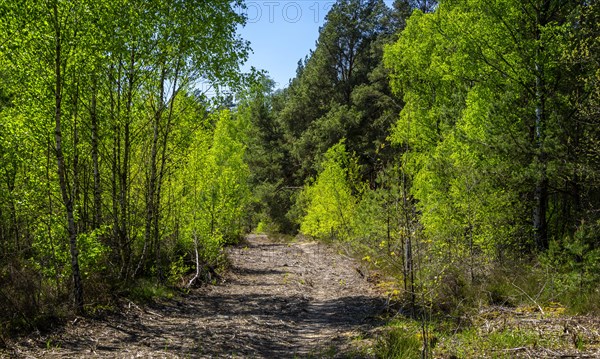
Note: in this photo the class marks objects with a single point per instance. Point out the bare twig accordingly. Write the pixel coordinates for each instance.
(197, 261)
(518, 349)
(531, 299)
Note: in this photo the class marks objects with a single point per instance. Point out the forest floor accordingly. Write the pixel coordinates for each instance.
(303, 299)
(277, 300)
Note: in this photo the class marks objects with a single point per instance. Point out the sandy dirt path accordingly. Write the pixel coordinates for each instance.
(278, 300)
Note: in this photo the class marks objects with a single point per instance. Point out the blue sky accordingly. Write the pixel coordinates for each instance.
(283, 32)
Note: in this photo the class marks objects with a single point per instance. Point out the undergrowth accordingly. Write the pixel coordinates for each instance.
(500, 311)
(147, 290)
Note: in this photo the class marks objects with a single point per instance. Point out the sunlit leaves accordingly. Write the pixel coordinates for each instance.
(108, 72)
(215, 185)
(467, 74)
(331, 205)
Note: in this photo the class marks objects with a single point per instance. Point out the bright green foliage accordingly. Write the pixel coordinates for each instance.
(97, 113)
(330, 203)
(498, 133)
(227, 185)
(215, 186)
(478, 153)
(93, 251)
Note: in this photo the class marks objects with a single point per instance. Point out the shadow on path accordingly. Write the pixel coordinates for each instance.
(277, 301)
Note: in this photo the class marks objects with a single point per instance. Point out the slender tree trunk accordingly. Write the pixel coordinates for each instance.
(163, 161)
(10, 184)
(151, 210)
(574, 183)
(115, 167)
(408, 251)
(97, 190)
(49, 222)
(76, 176)
(195, 236)
(61, 168)
(540, 226)
(124, 242)
(3, 237)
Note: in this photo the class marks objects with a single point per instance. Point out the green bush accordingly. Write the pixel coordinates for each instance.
(573, 266)
(330, 202)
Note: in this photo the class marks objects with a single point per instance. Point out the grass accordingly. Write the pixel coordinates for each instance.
(145, 290)
(400, 339)
(404, 340)
(502, 333)
(510, 309)
(398, 344)
(472, 343)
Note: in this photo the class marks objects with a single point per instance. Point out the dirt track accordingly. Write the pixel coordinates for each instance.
(277, 301)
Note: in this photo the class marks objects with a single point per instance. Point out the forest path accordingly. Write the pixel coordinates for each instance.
(278, 300)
